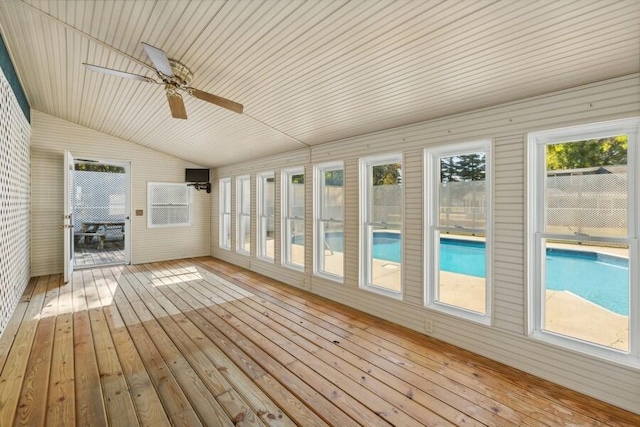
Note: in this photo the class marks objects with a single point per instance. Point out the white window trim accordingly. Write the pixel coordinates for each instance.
(260, 214)
(431, 216)
(221, 207)
(285, 214)
(365, 165)
(318, 179)
(535, 231)
(239, 213)
(150, 205)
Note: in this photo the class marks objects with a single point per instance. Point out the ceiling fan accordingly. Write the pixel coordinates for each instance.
(175, 77)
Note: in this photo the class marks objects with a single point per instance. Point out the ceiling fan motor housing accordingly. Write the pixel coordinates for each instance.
(181, 74)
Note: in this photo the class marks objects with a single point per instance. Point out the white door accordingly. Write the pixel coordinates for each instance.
(67, 225)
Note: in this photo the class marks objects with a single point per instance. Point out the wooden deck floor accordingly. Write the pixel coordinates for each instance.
(199, 341)
(90, 255)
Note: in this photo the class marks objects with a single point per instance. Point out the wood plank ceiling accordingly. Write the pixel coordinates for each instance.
(307, 72)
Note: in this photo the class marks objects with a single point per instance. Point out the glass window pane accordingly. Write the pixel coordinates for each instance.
(586, 292)
(385, 258)
(244, 233)
(267, 247)
(462, 191)
(586, 187)
(245, 202)
(332, 195)
(331, 256)
(267, 195)
(295, 242)
(296, 197)
(225, 232)
(462, 271)
(386, 193)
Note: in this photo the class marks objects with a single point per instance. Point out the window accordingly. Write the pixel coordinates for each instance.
(293, 217)
(169, 204)
(329, 221)
(583, 236)
(266, 225)
(381, 217)
(243, 212)
(225, 213)
(457, 218)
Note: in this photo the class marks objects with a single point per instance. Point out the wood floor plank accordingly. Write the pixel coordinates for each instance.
(239, 369)
(10, 331)
(393, 406)
(326, 342)
(327, 347)
(203, 402)
(16, 364)
(298, 408)
(203, 342)
(61, 399)
(175, 402)
(90, 407)
(119, 403)
(334, 394)
(397, 358)
(148, 405)
(61, 395)
(216, 362)
(525, 409)
(32, 406)
(327, 322)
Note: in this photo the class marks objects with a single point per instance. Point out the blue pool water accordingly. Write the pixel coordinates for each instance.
(601, 279)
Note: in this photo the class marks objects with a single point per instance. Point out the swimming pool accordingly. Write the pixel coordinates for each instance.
(599, 278)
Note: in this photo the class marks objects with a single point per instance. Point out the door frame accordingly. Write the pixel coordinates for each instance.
(127, 202)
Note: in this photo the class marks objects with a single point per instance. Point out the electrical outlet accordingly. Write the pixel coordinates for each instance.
(428, 326)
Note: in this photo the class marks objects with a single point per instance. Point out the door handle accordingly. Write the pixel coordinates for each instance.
(65, 226)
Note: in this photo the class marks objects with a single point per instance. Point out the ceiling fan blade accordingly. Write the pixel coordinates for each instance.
(217, 100)
(118, 73)
(159, 59)
(176, 104)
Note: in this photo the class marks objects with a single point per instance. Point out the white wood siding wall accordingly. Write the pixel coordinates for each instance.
(50, 137)
(507, 125)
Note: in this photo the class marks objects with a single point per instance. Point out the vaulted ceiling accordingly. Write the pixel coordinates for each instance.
(307, 72)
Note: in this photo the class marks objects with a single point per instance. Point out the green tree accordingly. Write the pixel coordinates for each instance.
(472, 167)
(448, 169)
(588, 153)
(98, 167)
(468, 167)
(334, 177)
(389, 174)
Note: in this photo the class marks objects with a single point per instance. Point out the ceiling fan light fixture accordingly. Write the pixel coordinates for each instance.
(181, 74)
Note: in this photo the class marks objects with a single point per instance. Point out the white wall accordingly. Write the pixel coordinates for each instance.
(507, 125)
(50, 137)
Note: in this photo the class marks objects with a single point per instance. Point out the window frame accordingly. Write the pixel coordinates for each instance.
(261, 179)
(431, 211)
(536, 233)
(240, 214)
(222, 198)
(366, 165)
(188, 204)
(286, 218)
(318, 220)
